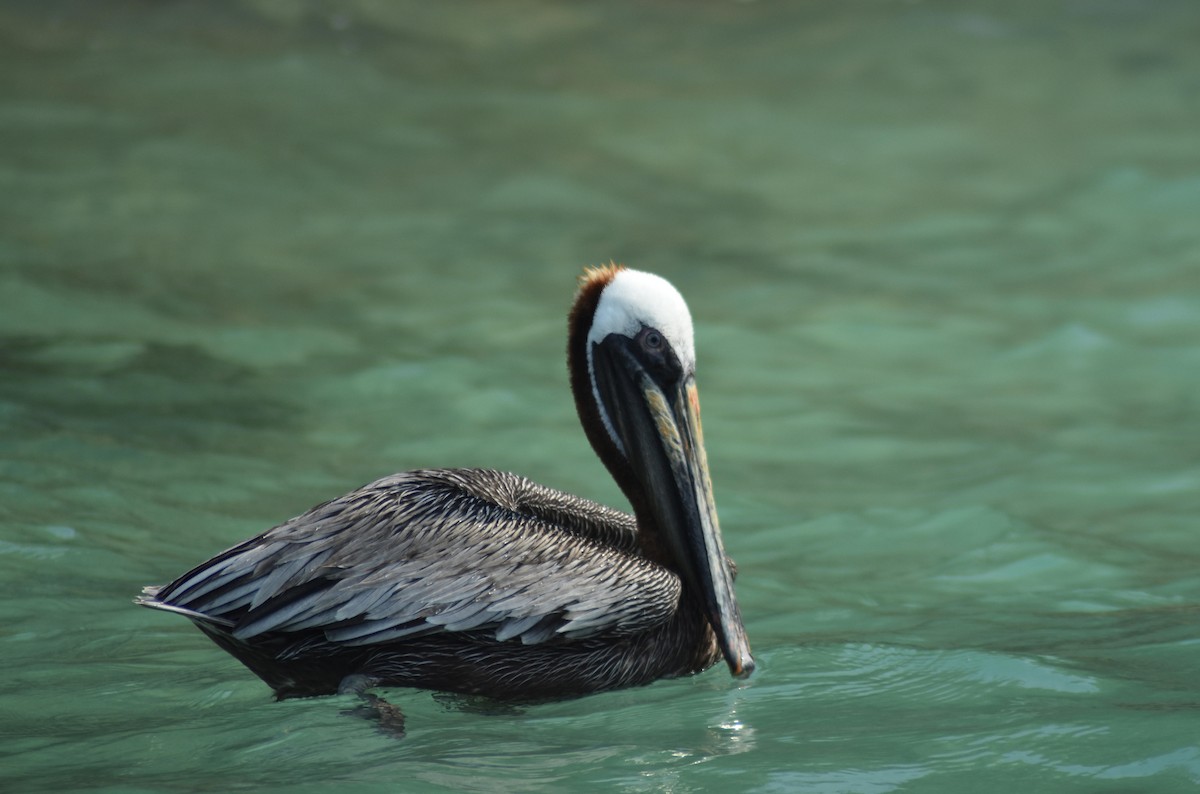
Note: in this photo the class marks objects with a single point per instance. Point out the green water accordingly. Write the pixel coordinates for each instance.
(944, 261)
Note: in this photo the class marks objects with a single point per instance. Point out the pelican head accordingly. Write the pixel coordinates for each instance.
(633, 368)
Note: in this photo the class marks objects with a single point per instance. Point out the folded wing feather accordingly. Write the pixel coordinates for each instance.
(432, 551)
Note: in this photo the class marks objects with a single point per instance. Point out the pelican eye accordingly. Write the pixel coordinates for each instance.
(657, 356)
(652, 340)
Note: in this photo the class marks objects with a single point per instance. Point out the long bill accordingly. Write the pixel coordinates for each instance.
(659, 428)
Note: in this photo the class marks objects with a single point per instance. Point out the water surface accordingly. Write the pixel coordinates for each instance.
(944, 261)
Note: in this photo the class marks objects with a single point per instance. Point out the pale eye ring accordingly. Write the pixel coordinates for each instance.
(652, 340)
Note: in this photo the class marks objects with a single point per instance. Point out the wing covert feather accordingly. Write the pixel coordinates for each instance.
(439, 550)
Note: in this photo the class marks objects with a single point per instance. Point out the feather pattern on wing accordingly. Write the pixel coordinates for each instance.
(445, 550)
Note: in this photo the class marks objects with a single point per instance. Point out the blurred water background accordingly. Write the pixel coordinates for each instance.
(944, 260)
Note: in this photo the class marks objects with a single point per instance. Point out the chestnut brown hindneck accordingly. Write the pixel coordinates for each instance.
(579, 323)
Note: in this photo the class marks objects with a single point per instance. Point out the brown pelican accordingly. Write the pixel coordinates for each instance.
(482, 582)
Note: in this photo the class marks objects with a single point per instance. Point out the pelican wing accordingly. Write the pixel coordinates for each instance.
(436, 551)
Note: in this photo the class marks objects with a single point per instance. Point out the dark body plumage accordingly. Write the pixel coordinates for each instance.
(482, 582)
(463, 580)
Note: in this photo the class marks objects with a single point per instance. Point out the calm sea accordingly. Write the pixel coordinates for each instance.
(944, 262)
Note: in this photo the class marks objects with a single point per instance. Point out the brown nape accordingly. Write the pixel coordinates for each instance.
(591, 284)
(579, 323)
